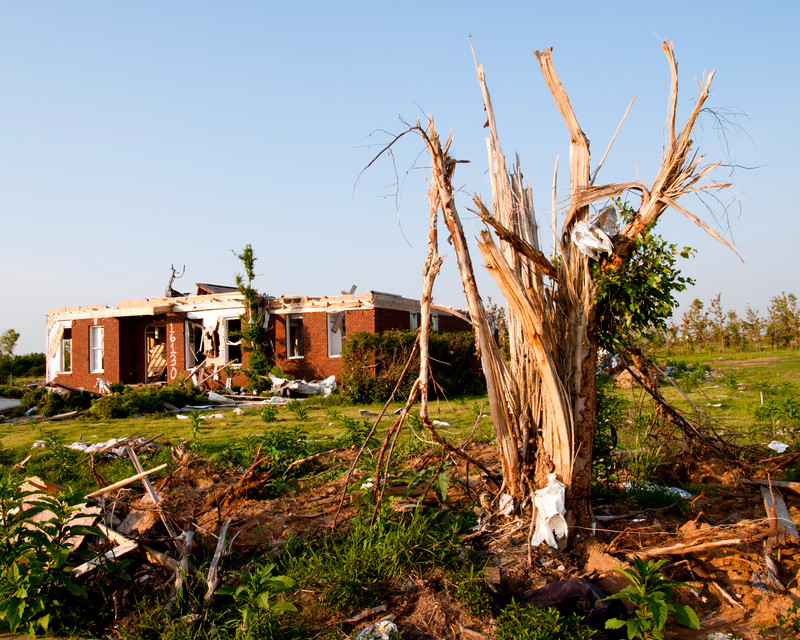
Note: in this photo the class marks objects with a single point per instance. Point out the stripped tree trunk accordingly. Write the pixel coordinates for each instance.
(544, 403)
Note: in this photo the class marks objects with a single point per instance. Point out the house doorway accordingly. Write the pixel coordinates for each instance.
(155, 349)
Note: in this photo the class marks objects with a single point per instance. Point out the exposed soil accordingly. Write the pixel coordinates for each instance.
(732, 589)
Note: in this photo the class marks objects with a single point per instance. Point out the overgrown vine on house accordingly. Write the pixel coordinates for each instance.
(253, 333)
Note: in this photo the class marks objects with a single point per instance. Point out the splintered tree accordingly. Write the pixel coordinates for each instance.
(543, 406)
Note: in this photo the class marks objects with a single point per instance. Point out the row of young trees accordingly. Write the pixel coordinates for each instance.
(714, 327)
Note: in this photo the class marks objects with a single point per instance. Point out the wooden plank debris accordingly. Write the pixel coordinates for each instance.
(109, 556)
(125, 482)
(183, 565)
(153, 556)
(781, 484)
(213, 580)
(67, 387)
(153, 496)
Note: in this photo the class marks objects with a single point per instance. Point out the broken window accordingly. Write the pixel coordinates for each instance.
(413, 321)
(194, 344)
(96, 349)
(234, 340)
(294, 336)
(434, 322)
(336, 333)
(211, 341)
(66, 351)
(155, 339)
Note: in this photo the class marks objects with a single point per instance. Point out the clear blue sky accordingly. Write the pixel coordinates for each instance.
(138, 135)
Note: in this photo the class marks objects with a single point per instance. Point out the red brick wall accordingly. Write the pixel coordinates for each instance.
(124, 358)
(453, 324)
(80, 376)
(315, 363)
(386, 319)
(176, 350)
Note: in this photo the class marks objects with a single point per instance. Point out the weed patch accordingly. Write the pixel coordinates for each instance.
(530, 623)
(350, 570)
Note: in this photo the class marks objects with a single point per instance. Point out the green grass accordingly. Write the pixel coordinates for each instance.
(729, 397)
(322, 424)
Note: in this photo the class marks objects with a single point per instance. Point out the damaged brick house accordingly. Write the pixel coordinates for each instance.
(164, 339)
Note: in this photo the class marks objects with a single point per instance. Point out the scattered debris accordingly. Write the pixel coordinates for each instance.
(550, 511)
(778, 447)
(301, 388)
(384, 630)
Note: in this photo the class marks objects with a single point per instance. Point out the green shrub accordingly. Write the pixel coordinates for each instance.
(610, 416)
(145, 400)
(689, 375)
(269, 413)
(529, 623)
(778, 408)
(355, 431)
(651, 595)
(298, 409)
(256, 594)
(36, 587)
(12, 391)
(50, 403)
(373, 362)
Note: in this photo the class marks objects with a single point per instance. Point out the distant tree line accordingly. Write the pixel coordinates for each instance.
(13, 366)
(712, 327)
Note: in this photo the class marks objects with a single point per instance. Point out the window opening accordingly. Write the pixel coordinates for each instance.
(336, 333)
(194, 344)
(413, 319)
(234, 340)
(294, 336)
(66, 351)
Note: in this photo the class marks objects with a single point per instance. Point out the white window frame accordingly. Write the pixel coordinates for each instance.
(190, 347)
(227, 341)
(335, 339)
(96, 348)
(289, 335)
